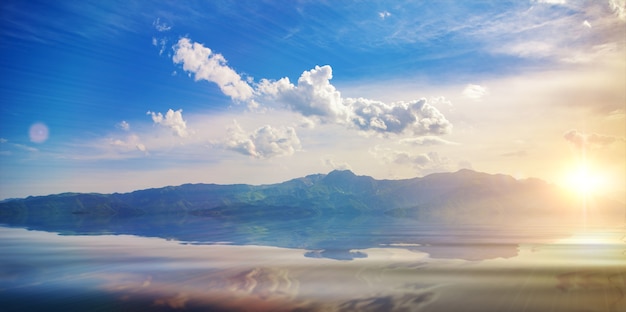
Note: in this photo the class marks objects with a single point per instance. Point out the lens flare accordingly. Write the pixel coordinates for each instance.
(38, 133)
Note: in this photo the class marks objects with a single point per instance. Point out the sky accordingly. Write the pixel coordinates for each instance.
(115, 96)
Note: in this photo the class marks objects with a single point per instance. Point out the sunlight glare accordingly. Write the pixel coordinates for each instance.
(584, 180)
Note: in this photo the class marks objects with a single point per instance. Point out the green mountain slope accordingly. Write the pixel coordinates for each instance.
(462, 197)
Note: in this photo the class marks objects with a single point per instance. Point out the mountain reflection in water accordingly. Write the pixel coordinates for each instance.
(325, 237)
(405, 267)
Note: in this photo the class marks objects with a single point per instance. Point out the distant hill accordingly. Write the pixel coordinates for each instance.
(465, 196)
(331, 215)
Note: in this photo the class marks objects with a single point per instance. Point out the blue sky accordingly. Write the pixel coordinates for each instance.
(116, 96)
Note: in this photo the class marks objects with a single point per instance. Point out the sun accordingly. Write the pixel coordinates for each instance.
(584, 180)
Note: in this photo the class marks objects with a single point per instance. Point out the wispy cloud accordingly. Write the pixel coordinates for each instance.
(15, 146)
(26, 148)
(426, 141)
(329, 161)
(550, 1)
(474, 92)
(619, 8)
(116, 147)
(161, 26)
(206, 65)
(590, 141)
(384, 14)
(422, 163)
(123, 125)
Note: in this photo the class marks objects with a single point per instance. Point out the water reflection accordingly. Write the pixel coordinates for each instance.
(123, 272)
(334, 237)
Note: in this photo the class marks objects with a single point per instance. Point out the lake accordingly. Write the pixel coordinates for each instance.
(379, 264)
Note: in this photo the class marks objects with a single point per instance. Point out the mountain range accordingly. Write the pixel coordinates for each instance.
(461, 197)
(333, 214)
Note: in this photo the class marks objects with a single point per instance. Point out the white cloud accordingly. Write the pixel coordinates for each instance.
(330, 162)
(172, 119)
(315, 96)
(114, 148)
(415, 117)
(426, 141)
(123, 125)
(141, 147)
(551, 1)
(3, 140)
(528, 49)
(474, 92)
(209, 66)
(384, 14)
(161, 26)
(552, 32)
(264, 142)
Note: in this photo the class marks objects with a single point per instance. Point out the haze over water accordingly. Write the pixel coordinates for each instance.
(473, 268)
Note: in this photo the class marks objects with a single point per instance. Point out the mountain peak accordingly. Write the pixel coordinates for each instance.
(347, 181)
(341, 173)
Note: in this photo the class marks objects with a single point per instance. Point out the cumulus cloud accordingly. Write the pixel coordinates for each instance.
(416, 117)
(172, 119)
(206, 65)
(313, 96)
(474, 92)
(593, 140)
(264, 142)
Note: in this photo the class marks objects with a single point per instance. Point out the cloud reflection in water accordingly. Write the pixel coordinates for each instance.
(128, 272)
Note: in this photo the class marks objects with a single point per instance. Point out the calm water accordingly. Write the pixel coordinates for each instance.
(372, 265)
